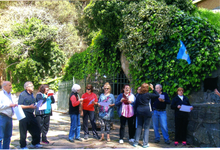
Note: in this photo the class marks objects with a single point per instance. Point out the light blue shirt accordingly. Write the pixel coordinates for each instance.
(7, 94)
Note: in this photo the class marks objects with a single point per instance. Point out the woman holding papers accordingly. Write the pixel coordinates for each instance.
(106, 103)
(181, 116)
(125, 110)
(74, 111)
(89, 100)
(143, 111)
(44, 112)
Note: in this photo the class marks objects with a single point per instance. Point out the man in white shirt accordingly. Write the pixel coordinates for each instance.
(6, 113)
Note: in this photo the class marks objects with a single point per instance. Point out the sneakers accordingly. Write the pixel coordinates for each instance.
(121, 141)
(167, 142)
(131, 140)
(176, 143)
(36, 146)
(45, 142)
(156, 141)
(24, 147)
(71, 140)
(184, 143)
(85, 137)
(78, 139)
(135, 145)
(145, 146)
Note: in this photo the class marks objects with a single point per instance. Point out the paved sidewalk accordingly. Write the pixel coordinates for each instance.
(58, 137)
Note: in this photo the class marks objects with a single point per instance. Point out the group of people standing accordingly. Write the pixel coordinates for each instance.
(36, 121)
(136, 109)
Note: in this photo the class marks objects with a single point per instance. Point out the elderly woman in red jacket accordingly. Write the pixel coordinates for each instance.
(74, 106)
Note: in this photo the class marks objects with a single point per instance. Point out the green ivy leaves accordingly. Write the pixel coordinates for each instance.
(154, 60)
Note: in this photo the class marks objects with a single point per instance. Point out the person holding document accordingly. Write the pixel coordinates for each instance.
(181, 117)
(125, 102)
(89, 100)
(27, 101)
(43, 115)
(159, 115)
(74, 111)
(6, 113)
(143, 111)
(106, 109)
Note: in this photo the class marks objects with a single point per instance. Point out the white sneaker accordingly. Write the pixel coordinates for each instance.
(36, 146)
(131, 140)
(121, 141)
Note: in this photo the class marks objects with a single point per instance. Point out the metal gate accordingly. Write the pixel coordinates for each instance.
(116, 81)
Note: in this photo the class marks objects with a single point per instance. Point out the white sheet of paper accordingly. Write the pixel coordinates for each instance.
(39, 103)
(44, 106)
(185, 108)
(162, 96)
(104, 103)
(90, 102)
(19, 112)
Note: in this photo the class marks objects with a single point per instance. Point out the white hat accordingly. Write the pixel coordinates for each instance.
(76, 87)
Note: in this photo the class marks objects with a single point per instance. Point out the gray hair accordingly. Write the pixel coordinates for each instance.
(76, 87)
(5, 83)
(26, 84)
(159, 86)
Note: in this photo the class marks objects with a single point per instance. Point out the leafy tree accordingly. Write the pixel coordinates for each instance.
(61, 15)
(32, 53)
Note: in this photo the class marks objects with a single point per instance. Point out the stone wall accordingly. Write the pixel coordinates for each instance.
(204, 125)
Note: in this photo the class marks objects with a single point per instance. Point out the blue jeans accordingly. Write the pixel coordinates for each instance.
(5, 131)
(74, 126)
(160, 117)
(143, 122)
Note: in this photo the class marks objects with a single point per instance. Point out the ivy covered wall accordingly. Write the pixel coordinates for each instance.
(149, 33)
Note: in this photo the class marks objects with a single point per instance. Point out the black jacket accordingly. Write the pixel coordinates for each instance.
(73, 110)
(142, 103)
(177, 101)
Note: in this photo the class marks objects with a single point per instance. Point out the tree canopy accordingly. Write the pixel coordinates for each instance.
(36, 40)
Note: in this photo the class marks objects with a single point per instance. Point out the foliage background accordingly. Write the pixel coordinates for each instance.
(37, 51)
(149, 34)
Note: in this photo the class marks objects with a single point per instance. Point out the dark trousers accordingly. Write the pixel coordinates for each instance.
(143, 122)
(29, 123)
(131, 127)
(91, 115)
(44, 122)
(181, 129)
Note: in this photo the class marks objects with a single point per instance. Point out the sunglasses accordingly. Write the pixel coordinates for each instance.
(88, 89)
(106, 88)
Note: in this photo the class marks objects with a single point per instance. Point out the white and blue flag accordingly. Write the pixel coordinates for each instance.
(183, 54)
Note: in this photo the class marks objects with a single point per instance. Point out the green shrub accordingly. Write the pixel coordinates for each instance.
(76, 66)
(32, 53)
